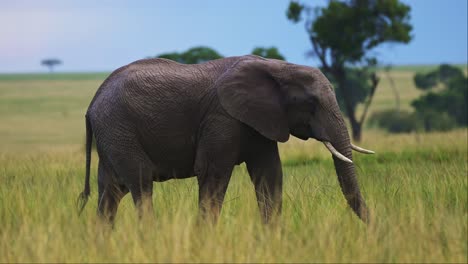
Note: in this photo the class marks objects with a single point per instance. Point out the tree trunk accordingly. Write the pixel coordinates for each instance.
(356, 126)
(356, 131)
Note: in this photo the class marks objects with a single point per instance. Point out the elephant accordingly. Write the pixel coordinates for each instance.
(155, 120)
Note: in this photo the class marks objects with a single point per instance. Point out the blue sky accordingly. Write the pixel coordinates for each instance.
(103, 35)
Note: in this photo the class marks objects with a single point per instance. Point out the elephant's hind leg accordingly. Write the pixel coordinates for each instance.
(142, 190)
(110, 193)
(137, 172)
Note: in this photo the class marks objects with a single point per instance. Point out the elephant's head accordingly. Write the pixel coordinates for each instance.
(278, 98)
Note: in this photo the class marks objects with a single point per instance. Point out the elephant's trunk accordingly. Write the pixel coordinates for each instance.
(345, 171)
(348, 181)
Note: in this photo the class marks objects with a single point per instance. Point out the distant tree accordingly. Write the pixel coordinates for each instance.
(342, 35)
(447, 105)
(444, 74)
(192, 56)
(426, 81)
(447, 73)
(51, 63)
(271, 53)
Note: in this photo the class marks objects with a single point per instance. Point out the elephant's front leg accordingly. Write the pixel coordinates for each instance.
(264, 167)
(212, 189)
(217, 154)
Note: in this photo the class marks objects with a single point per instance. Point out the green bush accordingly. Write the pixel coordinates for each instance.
(395, 121)
(436, 121)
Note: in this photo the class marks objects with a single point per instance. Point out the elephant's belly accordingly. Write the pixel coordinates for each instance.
(171, 161)
(164, 175)
(170, 143)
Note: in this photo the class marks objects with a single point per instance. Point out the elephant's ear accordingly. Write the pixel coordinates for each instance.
(249, 93)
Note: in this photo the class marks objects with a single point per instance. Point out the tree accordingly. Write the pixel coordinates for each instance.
(51, 63)
(342, 36)
(425, 81)
(448, 105)
(192, 56)
(271, 53)
(444, 74)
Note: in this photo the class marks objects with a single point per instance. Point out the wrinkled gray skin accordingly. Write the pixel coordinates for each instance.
(156, 120)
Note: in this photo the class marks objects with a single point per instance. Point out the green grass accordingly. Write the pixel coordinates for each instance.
(415, 186)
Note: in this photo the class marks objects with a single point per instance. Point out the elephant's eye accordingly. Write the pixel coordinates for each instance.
(296, 100)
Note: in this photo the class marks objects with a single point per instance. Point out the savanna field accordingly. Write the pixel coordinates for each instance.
(415, 186)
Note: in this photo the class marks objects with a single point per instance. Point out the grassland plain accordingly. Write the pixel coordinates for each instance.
(416, 187)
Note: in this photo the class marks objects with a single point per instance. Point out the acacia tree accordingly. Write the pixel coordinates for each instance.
(51, 63)
(342, 36)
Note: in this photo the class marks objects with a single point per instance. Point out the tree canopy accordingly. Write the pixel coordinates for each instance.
(442, 75)
(193, 55)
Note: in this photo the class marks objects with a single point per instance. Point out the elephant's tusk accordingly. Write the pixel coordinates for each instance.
(336, 153)
(362, 150)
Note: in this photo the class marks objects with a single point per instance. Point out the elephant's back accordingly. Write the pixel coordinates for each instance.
(156, 91)
(162, 79)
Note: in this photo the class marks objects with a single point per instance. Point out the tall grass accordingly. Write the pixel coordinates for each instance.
(418, 201)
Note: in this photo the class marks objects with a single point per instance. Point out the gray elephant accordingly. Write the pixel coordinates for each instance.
(155, 120)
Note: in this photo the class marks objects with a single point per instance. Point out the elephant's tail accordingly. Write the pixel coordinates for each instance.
(83, 198)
